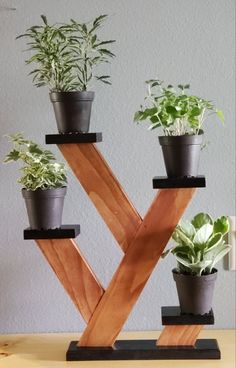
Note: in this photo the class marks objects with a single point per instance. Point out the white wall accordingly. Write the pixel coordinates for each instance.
(178, 41)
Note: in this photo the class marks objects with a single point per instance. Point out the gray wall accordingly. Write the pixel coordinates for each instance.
(178, 41)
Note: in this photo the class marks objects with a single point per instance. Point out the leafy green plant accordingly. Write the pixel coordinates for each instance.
(39, 170)
(200, 244)
(176, 112)
(66, 54)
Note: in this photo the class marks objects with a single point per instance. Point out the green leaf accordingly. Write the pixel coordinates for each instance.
(106, 52)
(201, 219)
(185, 250)
(147, 113)
(184, 239)
(84, 28)
(93, 39)
(203, 234)
(213, 242)
(221, 225)
(187, 228)
(104, 81)
(194, 268)
(103, 77)
(155, 121)
(104, 43)
(195, 111)
(44, 18)
(14, 155)
(222, 252)
(171, 110)
(99, 19)
(165, 253)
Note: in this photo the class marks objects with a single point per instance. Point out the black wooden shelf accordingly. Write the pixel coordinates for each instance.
(173, 316)
(73, 138)
(64, 232)
(161, 182)
(144, 350)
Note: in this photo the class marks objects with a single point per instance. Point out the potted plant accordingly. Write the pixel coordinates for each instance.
(200, 245)
(43, 182)
(181, 117)
(66, 56)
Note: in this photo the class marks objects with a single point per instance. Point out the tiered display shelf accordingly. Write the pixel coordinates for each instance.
(142, 241)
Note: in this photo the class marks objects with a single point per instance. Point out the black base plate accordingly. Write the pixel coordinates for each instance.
(173, 316)
(161, 182)
(144, 350)
(64, 232)
(73, 138)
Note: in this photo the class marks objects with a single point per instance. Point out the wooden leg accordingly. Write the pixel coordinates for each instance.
(179, 335)
(104, 190)
(74, 273)
(136, 267)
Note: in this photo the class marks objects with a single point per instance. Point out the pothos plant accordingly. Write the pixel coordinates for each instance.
(39, 171)
(66, 54)
(176, 112)
(200, 244)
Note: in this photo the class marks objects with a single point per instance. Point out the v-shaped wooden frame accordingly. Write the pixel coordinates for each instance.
(142, 241)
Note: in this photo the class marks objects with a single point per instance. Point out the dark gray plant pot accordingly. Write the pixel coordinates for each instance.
(72, 110)
(195, 292)
(181, 154)
(44, 207)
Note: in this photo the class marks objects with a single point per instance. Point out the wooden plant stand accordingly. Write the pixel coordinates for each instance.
(142, 241)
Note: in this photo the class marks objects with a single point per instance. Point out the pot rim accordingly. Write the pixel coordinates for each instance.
(176, 140)
(44, 193)
(72, 96)
(177, 274)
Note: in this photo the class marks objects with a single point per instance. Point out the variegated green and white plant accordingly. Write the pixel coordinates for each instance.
(66, 55)
(200, 244)
(40, 171)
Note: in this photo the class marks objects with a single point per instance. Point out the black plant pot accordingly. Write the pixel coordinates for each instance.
(195, 292)
(72, 110)
(44, 207)
(181, 154)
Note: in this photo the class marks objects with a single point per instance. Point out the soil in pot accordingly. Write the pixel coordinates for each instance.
(181, 154)
(195, 292)
(44, 207)
(72, 110)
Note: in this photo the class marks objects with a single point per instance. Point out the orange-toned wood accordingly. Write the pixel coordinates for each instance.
(136, 267)
(74, 273)
(184, 335)
(104, 190)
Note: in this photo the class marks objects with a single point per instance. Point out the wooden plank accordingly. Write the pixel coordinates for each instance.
(179, 335)
(74, 273)
(104, 190)
(136, 267)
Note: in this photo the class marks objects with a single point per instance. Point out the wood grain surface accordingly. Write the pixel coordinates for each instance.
(104, 190)
(136, 267)
(179, 335)
(49, 351)
(74, 273)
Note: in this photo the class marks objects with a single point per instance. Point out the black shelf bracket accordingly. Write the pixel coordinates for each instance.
(162, 182)
(68, 138)
(64, 232)
(173, 316)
